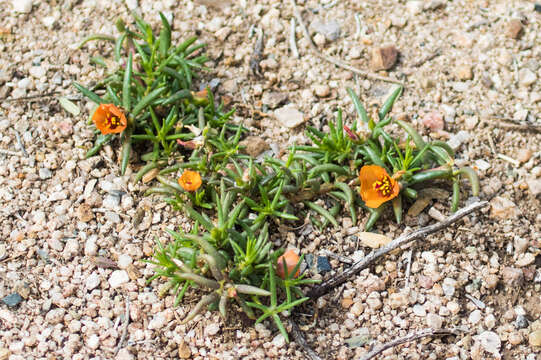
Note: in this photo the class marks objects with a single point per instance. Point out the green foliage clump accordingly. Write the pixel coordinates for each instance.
(228, 255)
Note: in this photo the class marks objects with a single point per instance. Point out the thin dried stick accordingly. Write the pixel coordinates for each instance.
(506, 123)
(427, 58)
(317, 52)
(20, 143)
(408, 338)
(9, 152)
(421, 233)
(292, 40)
(31, 97)
(125, 326)
(408, 270)
(298, 335)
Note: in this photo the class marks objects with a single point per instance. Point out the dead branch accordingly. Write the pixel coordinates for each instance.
(298, 335)
(339, 63)
(408, 338)
(421, 233)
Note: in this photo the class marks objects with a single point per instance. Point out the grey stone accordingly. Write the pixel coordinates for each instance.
(12, 300)
(323, 265)
(289, 117)
(330, 29)
(273, 99)
(521, 322)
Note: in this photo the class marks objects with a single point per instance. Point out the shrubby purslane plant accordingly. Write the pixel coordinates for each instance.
(193, 150)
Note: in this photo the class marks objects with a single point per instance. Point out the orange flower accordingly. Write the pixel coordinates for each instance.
(190, 180)
(290, 258)
(377, 186)
(109, 119)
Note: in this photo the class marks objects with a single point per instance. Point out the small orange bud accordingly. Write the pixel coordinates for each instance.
(290, 258)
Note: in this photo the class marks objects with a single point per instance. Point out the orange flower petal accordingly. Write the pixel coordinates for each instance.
(109, 119)
(290, 258)
(190, 180)
(371, 177)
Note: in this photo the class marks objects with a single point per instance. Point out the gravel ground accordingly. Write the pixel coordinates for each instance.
(74, 232)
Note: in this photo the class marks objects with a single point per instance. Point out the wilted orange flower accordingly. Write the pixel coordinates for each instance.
(290, 258)
(377, 186)
(190, 180)
(109, 119)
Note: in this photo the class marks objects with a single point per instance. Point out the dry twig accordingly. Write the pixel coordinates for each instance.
(9, 152)
(31, 97)
(408, 270)
(508, 123)
(427, 58)
(408, 338)
(421, 233)
(317, 52)
(292, 40)
(125, 326)
(299, 339)
(257, 55)
(20, 143)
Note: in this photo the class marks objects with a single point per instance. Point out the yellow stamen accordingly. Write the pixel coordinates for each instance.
(383, 186)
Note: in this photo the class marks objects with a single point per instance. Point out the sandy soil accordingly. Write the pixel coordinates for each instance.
(471, 66)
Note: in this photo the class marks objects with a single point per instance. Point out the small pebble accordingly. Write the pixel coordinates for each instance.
(434, 121)
(111, 201)
(346, 303)
(330, 29)
(526, 77)
(491, 343)
(319, 39)
(12, 300)
(397, 300)
(419, 310)
(515, 338)
(514, 29)
(373, 301)
(93, 342)
(434, 321)
(92, 281)
(448, 286)
(289, 117)
(491, 281)
(524, 155)
(184, 351)
(22, 6)
(357, 308)
(535, 338)
(453, 307)
(415, 7)
(475, 317)
(124, 354)
(464, 72)
(383, 58)
(212, 329)
(279, 341)
(45, 173)
(323, 265)
(521, 322)
(322, 90)
(124, 261)
(503, 208)
(118, 277)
